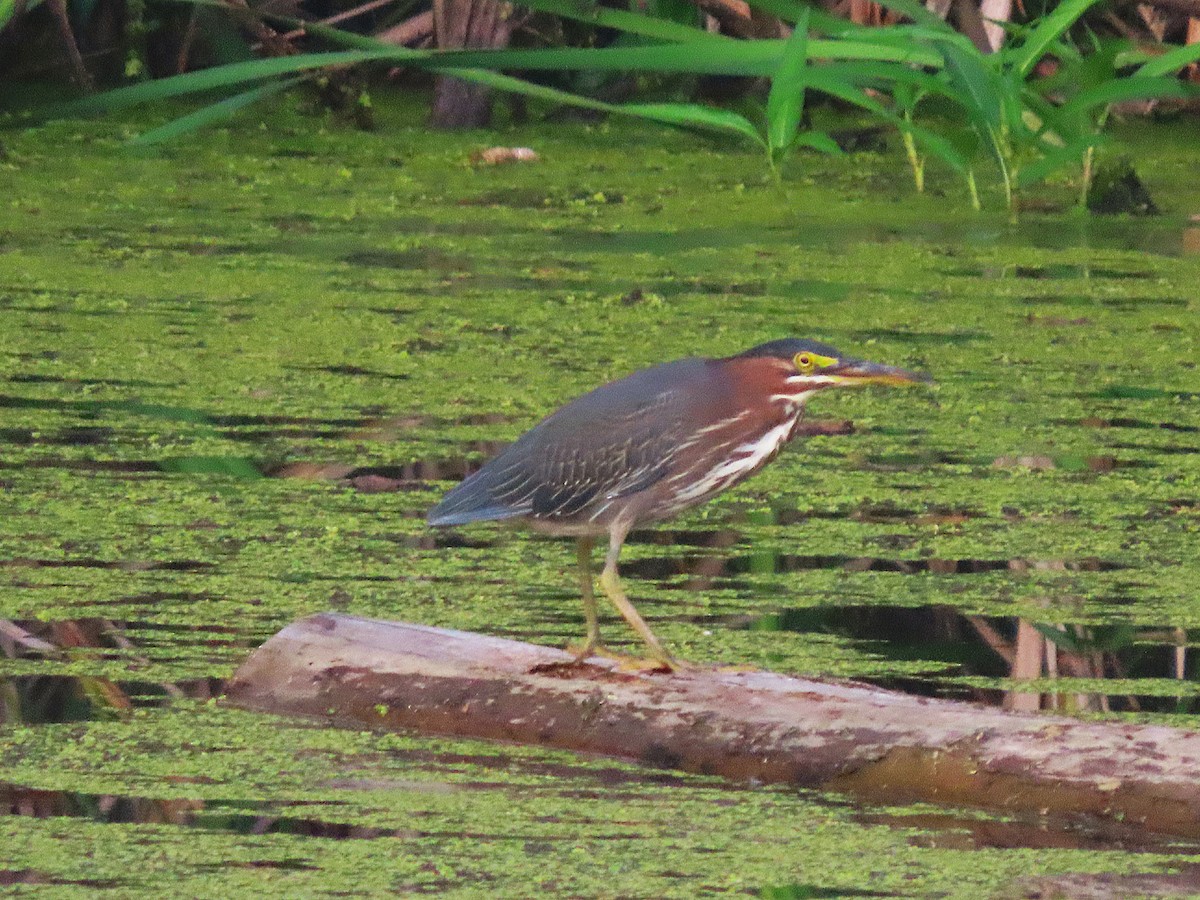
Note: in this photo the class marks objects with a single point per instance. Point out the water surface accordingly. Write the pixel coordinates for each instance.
(234, 375)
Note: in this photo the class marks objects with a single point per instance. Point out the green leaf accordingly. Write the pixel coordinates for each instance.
(681, 12)
(819, 140)
(1106, 638)
(692, 115)
(819, 79)
(1133, 88)
(919, 14)
(941, 148)
(759, 58)
(633, 23)
(687, 115)
(977, 82)
(1085, 72)
(1170, 62)
(1055, 126)
(790, 11)
(889, 76)
(8, 9)
(881, 48)
(965, 140)
(215, 112)
(1071, 154)
(785, 102)
(753, 58)
(1045, 32)
(220, 77)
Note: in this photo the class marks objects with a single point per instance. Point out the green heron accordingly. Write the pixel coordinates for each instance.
(648, 446)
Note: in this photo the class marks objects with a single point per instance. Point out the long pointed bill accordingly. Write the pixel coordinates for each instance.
(858, 371)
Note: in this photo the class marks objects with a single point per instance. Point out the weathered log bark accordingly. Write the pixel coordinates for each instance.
(877, 744)
(458, 24)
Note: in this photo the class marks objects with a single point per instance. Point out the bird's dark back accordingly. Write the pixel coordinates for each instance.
(611, 442)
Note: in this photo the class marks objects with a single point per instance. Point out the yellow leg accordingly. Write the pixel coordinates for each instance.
(591, 645)
(611, 583)
(583, 553)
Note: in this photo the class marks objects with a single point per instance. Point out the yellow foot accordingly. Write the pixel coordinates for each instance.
(626, 662)
(585, 650)
(646, 664)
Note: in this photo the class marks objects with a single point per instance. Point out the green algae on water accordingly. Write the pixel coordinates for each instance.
(178, 328)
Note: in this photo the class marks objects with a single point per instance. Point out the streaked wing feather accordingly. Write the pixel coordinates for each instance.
(609, 444)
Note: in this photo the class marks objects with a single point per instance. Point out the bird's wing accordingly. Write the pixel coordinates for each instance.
(608, 444)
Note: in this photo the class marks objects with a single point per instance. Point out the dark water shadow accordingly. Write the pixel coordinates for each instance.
(698, 570)
(418, 258)
(1164, 238)
(966, 831)
(50, 698)
(817, 892)
(1052, 272)
(960, 649)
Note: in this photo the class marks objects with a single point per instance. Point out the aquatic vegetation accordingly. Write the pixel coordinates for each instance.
(990, 106)
(374, 301)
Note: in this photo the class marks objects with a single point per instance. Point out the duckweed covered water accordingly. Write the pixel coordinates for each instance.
(235, 373)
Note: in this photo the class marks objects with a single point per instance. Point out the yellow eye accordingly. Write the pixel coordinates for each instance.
(804, 362)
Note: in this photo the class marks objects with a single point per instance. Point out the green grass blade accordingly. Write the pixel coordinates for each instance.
(887, 76)
(822, 22)
(748, 58)
(785, 102)
(218, 78)
(970, 74)
(692, 115)
(1132, 88)
(632, 23)
(819, 140)
(914, 36)
(681, 12)
(1057, 158)
(1056, 125)
(1170, 62)
(819, 79)
(1047, 30)
(753, 58)
(685, 115)
(919, 14)
(8, 9)
(215, 112)
(881, 49)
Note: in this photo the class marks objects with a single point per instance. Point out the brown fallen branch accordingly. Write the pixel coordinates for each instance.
(418, 28)
(878, 744)
(268, 39)
(342, 16)
(19, 637)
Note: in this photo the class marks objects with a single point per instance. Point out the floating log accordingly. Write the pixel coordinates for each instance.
(880, 745)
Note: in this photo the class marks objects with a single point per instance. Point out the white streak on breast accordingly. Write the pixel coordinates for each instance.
(742, 461)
